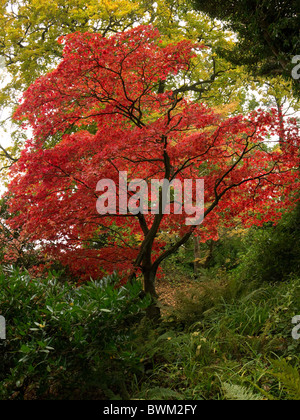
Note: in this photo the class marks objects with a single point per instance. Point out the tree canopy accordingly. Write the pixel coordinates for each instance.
(29, 31)
(100, 113)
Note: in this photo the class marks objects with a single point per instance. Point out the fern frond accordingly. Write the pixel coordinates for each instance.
(289, 378)
(239, 393)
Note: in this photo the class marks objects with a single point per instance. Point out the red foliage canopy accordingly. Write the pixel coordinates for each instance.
(102, 111)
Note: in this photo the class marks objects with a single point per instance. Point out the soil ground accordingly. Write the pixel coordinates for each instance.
(167, 291)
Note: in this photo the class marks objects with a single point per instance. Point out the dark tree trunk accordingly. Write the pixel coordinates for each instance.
(197, 255)
(153, 312)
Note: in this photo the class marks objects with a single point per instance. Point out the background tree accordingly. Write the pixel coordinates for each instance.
(99, 113)
(268, 33)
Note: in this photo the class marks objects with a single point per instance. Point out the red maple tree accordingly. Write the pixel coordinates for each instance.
(111, 105)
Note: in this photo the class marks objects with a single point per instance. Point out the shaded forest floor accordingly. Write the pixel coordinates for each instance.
(168, 292)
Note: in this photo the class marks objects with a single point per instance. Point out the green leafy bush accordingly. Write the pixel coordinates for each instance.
(66, 342)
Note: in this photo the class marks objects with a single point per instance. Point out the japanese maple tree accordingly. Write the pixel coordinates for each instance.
(123, 104)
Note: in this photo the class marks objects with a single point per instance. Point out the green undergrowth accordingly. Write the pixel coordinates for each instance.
(226, 341)
(222, 341)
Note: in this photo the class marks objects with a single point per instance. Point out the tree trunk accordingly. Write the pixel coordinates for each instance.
(153, 312)
(197, 255)
(210, 254)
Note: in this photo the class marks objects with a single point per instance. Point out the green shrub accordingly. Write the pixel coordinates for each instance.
(272, 253)
(66, 342)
